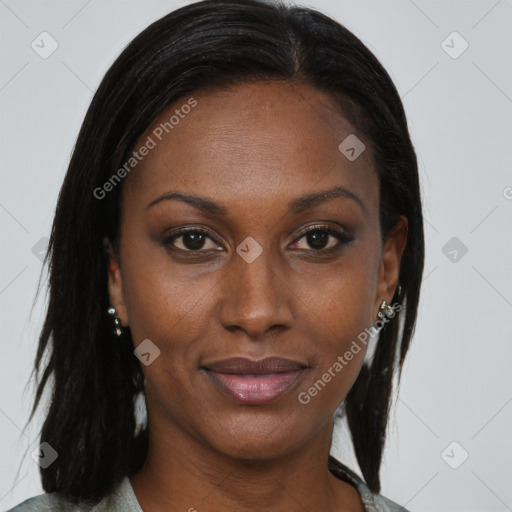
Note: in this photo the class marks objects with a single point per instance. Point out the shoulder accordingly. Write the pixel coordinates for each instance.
(386, 505)
(51, 502)
(373, 502)
(121, 499)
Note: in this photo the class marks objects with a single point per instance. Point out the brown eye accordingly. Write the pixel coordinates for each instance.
(324, 238)
(192, 240)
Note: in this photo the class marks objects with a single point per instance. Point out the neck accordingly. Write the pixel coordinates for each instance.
(181, 473)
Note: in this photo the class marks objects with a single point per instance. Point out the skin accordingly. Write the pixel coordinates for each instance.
(252, 148)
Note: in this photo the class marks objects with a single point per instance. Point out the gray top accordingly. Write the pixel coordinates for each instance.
(122, 498)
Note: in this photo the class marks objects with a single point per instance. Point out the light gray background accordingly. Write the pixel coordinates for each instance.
(457, 379)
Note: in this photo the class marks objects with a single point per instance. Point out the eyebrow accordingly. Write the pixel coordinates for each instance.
(298, 205)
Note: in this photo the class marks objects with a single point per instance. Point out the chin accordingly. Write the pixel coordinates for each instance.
(256, 438)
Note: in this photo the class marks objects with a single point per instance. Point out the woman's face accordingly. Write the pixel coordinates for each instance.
(251, 284)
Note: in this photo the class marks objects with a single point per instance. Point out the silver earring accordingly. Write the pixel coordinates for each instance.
(385, 310)
(117, 322)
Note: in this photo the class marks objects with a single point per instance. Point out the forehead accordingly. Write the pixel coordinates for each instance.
(250, 141)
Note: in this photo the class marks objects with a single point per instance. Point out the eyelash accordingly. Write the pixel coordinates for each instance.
(342, 237)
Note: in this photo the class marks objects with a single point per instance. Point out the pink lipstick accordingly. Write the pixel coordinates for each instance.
(255, 382)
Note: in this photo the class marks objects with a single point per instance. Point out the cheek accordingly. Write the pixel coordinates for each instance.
(163, 298)
(341, 299)
(337, 315)
(338, 354)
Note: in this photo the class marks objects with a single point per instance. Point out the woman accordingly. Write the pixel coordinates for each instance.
(240, 215)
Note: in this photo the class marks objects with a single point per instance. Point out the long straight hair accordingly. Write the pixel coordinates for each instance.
(94, 378)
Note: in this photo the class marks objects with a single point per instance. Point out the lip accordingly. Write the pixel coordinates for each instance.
(251, 381)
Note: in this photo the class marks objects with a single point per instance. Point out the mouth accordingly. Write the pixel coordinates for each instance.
(255, 382)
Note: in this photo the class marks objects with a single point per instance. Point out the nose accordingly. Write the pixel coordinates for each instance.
(255, 297)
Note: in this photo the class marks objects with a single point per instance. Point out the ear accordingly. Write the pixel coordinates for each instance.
(389, 271)
(115, 284)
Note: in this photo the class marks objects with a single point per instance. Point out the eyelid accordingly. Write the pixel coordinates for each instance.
(324, 227)
(341, 234)
(173, 235)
